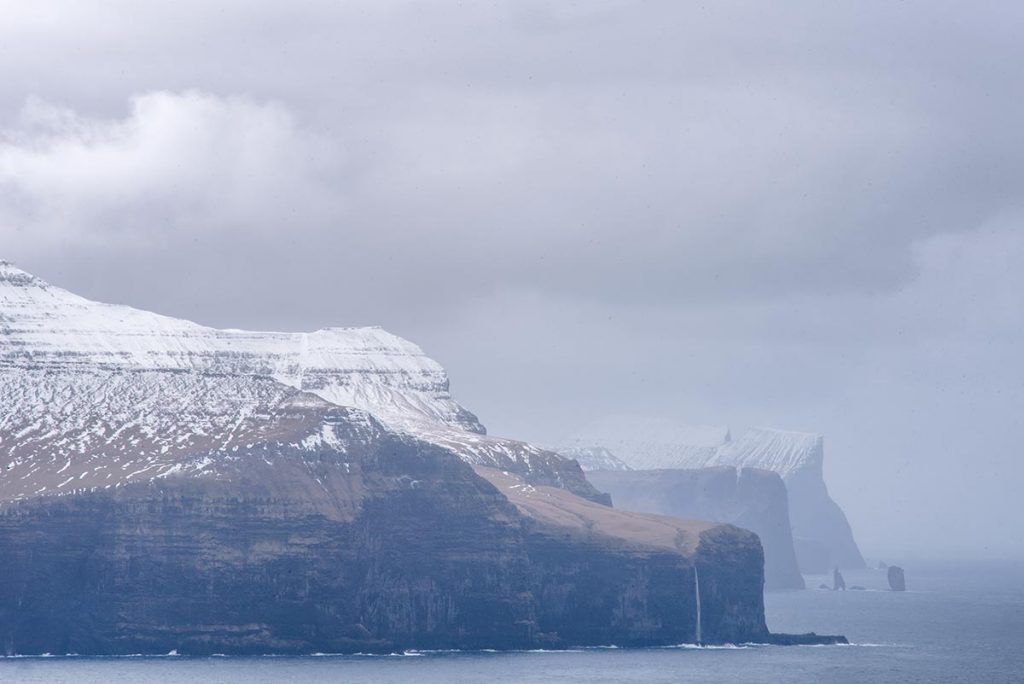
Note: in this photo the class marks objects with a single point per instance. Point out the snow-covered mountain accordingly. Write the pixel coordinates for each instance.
(782, 451)
(593, 458)
(821, 532)
(645, 443)
(68, 362)
(47, 327)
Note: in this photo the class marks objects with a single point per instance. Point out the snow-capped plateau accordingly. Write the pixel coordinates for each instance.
(76, 371)
(47, 327)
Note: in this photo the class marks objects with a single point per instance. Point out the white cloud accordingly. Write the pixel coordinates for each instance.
(177, 162)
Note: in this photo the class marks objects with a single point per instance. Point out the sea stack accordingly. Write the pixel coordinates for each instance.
(897, 580)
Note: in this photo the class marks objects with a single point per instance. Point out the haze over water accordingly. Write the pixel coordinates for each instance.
(956, 625)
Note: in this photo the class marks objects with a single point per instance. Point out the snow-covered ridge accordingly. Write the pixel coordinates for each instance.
(782, 451)
(46, 327)
(593, 458)
(650, 444)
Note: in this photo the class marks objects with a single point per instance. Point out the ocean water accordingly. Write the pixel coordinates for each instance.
(961, 623)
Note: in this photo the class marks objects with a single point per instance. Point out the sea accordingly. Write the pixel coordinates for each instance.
(957, 623)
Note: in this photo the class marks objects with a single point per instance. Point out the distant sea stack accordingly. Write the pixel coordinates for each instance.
(821, 534)
(897, 579)
(167, 486)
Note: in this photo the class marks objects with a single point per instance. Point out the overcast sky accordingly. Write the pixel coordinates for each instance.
(801, 215)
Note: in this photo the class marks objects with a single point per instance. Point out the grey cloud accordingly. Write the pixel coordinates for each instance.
(190, 161)
(800, 214)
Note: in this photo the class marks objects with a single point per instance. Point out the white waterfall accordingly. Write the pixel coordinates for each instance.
(696, 591)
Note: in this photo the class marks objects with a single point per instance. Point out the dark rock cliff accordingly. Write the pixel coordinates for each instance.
(390, 544)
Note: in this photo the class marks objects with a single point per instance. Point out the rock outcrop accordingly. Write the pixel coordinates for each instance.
(897, 579)
(168, 487)
(746, 497)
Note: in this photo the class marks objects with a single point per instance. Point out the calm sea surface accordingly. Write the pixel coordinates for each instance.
(956, 624)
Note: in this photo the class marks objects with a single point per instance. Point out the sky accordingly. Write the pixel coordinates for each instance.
(802, 215)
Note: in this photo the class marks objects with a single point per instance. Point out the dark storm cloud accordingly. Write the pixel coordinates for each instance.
(804, 215)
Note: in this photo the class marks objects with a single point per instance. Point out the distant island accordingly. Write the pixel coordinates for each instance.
(767, 480)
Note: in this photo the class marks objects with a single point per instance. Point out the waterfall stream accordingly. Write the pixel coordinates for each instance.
(696, 591)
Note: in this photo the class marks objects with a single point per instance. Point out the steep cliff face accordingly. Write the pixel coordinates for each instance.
(314, 528)
(645, 590)
(822, 536)
(746, 497)
(821, 532)
(399, 547)
(164, 486)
